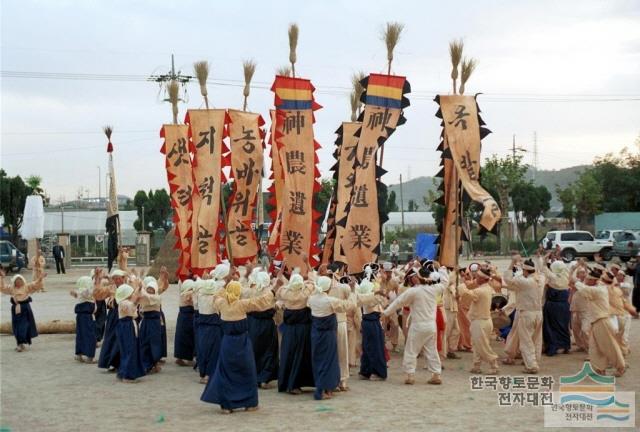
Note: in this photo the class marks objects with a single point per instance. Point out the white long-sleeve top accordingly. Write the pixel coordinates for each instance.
(422, 299)
(323, 305)
(530, 290)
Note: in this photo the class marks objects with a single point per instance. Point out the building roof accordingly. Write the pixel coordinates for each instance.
(85, 222)
(411, 218)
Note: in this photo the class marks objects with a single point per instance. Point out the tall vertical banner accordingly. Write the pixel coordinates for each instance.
(294, 138)
(246, 140)
(179, 175)
(112, 224)
(463, 130)
(206, 135)
(275, 190)
(384, 101)
(343, 177)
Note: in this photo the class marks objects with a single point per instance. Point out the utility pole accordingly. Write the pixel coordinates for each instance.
(535, 154)
(401, 203)
(143, 225)
(99, 184)
(172, 75)
(62, 210)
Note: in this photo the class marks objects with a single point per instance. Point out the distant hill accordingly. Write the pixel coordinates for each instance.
(415, 189)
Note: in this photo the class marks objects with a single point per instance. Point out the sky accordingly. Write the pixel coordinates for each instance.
(567, 71)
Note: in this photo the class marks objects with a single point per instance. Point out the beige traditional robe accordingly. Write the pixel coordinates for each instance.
(452, 330)
(422, 299)
(22, 293)
(390, 288)
(618, 314)
(342, 292)
(603, 346)
(481, 325)
(529, 292)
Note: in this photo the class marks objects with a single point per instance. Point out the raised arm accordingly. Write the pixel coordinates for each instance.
(3, 288)
(338, 305)
(400, 301)
(163, 280)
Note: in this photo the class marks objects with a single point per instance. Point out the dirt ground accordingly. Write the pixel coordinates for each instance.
(44, 389)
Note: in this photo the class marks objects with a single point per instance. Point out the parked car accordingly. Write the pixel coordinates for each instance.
(627, 244)
(11, 259)
(578, 243)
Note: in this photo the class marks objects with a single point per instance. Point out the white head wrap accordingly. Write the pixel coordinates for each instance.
(365, 287)
(262, 280)
(296, 282)
(186, 286)
(118, 272)
(84, 285)
(209, 287)
(434, 276)
(221, 271)
(123, 292)
(323, 284)
(16, 277)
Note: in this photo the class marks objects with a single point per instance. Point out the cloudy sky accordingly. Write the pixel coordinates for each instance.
(568, 71)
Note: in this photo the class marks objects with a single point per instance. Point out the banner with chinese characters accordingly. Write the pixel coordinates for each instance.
(384, 101)
(246, 140)
(206, 134)
(463, 131)
(295, 142)
(276, 189)
(344, 177)
(178, 165)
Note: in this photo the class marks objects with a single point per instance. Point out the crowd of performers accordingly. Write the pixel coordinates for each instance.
(243, 328)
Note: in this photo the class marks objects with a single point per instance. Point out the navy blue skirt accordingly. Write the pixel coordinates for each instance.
(100, 318)
(324, 354)
(23, 324)
(264, 340)
(130, 362)
(234, 383)
(372, 360)
(209, 340)
(184, 342)
(85, 329)
(556, 318)
(196, 314)
(109, 352)
(150, 338)
(163, 332)
(295, 369)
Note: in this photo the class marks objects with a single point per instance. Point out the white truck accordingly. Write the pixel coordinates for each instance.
(578, 243)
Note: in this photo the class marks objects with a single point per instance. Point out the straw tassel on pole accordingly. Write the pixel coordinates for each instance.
(201, 70)
(294, 32)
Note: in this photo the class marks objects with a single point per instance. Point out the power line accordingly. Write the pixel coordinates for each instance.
(416, 94)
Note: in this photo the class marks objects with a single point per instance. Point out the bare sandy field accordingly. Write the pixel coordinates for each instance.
(44, 389)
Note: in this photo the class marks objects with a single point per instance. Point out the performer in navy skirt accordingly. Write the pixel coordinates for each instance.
(209, 330)
(109, 352)
(23, 323)
(234, 382)
(130, 368)
(184, 341)
(295, 369)
(556, 316)
(150, 327)
(263, 335)
(373, 364)
(324, 344)
(85, 325)
(100, 317)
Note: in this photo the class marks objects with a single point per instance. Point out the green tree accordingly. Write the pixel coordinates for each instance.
(157, 209)
(323, 197)
(412, 206)
(619, 178)
(567, 198)
(589, 197)
(499, 176)
(13, 195)
(391, 202)
(530, 202)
